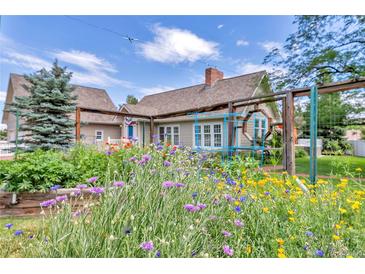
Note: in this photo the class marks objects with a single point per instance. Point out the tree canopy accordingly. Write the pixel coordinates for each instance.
(131, 99)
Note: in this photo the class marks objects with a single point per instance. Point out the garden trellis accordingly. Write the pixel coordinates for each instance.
(287, 101)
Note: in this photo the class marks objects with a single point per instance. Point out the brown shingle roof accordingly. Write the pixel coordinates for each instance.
(199, 96)
(87, 97)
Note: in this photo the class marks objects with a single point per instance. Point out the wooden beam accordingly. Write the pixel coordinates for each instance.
(289, 133)
(152, 129)
(283, 117)
(113, 113)
(78, 125)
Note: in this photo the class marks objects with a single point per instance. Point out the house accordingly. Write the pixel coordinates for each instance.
(95, 128)
(207, 130)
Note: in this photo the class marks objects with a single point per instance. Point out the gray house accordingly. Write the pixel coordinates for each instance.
(206, 130)
(95, 128)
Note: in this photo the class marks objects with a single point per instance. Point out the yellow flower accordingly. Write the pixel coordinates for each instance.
(291, 219)
(237, 203)
(248, 249)
(358, 169)
(295, 177)
(285, 173)
(349, 256)
(291, 212)
(280, 241)
(281, 250)
(356, 205)
(337, 226)
(313, 200)
(266, 210)
(336, 237)
(342, 210)
(282, 255)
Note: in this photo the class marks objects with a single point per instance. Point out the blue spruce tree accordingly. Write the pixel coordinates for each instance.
(45, 113)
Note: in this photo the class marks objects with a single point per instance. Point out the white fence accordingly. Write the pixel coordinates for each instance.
(358, 147)
(6, 149)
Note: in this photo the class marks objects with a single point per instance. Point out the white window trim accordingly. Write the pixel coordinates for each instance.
(212, 147)
(102, 135)
(172, 132)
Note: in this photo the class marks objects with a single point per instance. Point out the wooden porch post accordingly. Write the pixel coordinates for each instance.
(283, 118)
(231, 135)
(152, 129)
(78, 126)
(289, 133)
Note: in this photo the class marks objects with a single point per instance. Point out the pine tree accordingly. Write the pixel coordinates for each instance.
(45, 113)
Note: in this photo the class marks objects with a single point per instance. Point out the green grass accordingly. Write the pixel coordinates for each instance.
(333, 165)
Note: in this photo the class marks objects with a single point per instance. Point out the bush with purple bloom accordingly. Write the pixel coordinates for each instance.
(92, 179)
(48, 203)
(147, 246)
(97, 190)
(228, 251)
(119, 184)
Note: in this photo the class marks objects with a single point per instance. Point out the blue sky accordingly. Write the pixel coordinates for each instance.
(171, 51)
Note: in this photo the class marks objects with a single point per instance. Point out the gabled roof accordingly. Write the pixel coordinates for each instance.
(87, 97)
(199, 96)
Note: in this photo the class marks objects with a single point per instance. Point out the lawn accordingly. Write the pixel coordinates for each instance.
(334, 165)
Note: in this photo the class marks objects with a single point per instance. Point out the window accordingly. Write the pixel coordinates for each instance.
(259, 128)
(211, 137)
(169, 134)
(99, 135)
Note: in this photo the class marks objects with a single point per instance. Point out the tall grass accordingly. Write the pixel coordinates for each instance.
(266, 216)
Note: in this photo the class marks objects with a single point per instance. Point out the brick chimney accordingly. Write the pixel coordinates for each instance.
(212, 75)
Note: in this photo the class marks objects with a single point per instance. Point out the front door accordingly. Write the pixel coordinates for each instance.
(130, 132)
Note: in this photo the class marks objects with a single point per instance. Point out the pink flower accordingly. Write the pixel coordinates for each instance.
(61, 198)
(227, 250)
(168, 184)
(226, 233)
(147, 246)
(238, 223)
(118, 184)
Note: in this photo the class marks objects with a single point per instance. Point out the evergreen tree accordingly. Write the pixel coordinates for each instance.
(45, 113)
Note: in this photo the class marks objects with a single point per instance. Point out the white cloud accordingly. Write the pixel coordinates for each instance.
(24, 60)
(242, 43)
(153, 90)
(248, 67)
(220, 26)
(2, 96)
(173, 45)
(270, 45)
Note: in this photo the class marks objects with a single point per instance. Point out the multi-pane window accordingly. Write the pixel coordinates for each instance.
(259, 128)
(99, 135)
(169, 135)
(208, 135)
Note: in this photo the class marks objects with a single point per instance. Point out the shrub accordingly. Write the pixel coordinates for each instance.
(300, 153)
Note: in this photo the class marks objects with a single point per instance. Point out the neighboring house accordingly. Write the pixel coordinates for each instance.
(95, 128)
(209, 131)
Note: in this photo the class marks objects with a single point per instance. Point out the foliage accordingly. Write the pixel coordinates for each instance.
(131, 99)
(322, 47)
(275, 145)
(3, 135)
(255, 214)
(46, 111)
(300, 153)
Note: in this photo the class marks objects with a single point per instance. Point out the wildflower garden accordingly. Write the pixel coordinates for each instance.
(164, 201)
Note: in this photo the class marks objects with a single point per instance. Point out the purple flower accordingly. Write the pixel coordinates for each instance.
(93, 179)
(179, 185)
(55, 187)
(287, 191)
(319, 253)
(76, 213)
(77, 192)
(146, 157)
(201, 206)
(309, 233)
(119, 184)
(48, 203)
(226, 233)
(227, 250)
(194, 195)
(172, 152)
(305, 247)
(159, 147)
(97, 190)
(267, 193)
(108, 153)
(238, 223)
(18, 232)
(147, 246)
(167, 163)
(243, 199)
(168, 184)
(133, 159)
(237, 209)
(30, 237)
(8, 226)
(191, 208)
(228, 197)
(61, 198)
(158, 254)
(82, 186)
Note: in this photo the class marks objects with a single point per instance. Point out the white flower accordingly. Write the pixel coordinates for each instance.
(191, 227)
(132, 217)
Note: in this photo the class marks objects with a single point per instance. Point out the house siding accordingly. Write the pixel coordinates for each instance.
(88, 132)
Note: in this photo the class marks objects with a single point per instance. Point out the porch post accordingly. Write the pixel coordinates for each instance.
(78, 127)
(289, 133)
(231, 117)
(152, 129)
